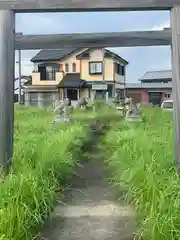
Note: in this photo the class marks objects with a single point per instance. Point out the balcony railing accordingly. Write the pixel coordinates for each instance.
(36, 80)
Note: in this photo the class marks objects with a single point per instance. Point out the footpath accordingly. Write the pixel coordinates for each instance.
(91, 209)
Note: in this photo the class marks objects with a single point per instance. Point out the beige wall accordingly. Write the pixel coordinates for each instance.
(108, 69)
(70, 60)
(36, 79)
(95, 55)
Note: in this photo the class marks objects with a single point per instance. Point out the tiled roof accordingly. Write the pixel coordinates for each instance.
(71, 80)
(56, 54)
(166, 74)
(106, 53)
(149, 85)
(116, 56)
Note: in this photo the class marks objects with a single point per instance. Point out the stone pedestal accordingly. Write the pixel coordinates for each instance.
(40, 100)
(27, 99)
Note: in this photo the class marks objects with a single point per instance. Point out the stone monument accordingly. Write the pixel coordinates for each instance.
(82, 102)
(61, 112)
(107, 96)
(121, 107)
(132, 110)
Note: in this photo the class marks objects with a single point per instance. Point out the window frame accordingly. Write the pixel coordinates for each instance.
(95, 72)
(47, 70)
(119, 69)
(67, 67)
(167, 95)
(73, 67)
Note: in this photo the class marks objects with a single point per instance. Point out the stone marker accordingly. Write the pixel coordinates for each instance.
(82, 102)
(62, 112)
(121, 108)
(107, 96)
(132, 110)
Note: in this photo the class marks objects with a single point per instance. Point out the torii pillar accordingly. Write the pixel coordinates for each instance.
(7, 57)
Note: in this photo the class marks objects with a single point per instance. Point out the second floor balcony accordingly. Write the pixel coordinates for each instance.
(54, 80)
(47, 74)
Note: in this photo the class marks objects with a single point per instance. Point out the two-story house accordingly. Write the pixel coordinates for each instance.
(74, 73)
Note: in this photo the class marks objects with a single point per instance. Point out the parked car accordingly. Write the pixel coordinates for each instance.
(167, 105)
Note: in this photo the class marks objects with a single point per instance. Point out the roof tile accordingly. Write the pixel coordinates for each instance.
(153, 75)
(56, 54)
(149, 85)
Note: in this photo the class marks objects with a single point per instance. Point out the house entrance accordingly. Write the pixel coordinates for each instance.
(100, 94)
(72, 94)
(155, 98)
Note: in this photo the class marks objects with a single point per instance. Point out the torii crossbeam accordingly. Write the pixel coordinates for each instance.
(86, 5)
(114, 39)
(8, 8)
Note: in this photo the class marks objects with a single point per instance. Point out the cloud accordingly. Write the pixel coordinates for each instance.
(39, 23)
(161, 26)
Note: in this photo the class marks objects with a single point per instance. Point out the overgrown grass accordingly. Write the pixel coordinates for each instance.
(43, 161)
(141, 158)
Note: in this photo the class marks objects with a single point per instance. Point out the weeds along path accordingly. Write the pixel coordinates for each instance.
(91, 209)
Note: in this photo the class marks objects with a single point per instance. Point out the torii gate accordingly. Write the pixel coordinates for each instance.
(8, 8)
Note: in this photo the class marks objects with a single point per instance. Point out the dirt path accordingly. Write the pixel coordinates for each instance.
(92, 210)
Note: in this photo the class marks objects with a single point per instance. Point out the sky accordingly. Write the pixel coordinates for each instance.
(141, 59)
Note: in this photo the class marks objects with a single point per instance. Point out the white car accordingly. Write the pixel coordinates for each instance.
(167, 105)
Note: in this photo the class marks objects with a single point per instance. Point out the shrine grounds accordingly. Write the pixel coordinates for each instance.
(138, 155)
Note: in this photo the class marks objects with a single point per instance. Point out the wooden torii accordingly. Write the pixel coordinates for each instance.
(110, 39)
(8, 44)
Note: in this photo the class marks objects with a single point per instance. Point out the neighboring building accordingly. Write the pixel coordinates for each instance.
(24, 80)
(74, 73)
(155, 87)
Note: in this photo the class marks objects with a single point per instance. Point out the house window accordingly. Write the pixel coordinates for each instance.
(61, 67)
(167, 95)
(95, 68)
(48, 71)
(74, 67)
(119, 69)
(67, 67)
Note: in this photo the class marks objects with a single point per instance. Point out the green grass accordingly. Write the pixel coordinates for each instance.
(140, 156)
(43, 161)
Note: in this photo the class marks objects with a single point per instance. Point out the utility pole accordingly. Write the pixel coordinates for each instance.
(125, 92)
(19, 69)
(19, 63)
